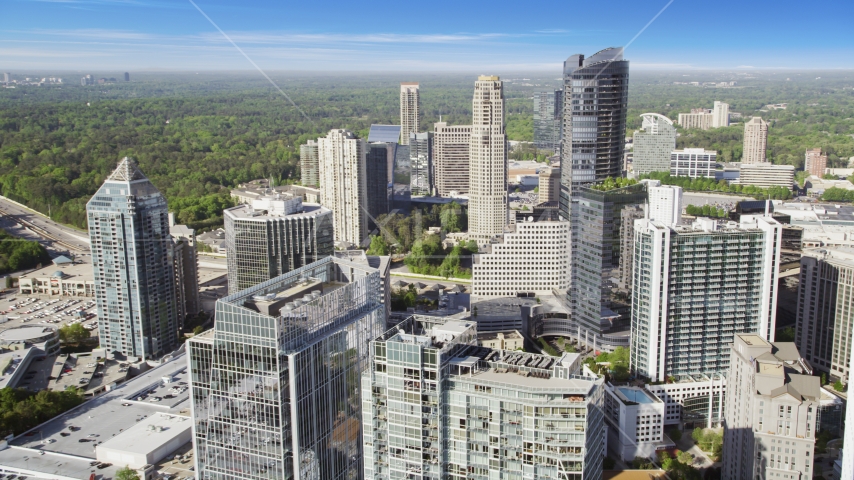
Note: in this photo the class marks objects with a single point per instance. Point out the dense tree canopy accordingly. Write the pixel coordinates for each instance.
(19, 254)
(21, 410)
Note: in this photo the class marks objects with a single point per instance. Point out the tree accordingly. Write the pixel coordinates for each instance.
(10, 281)
(786, 335)
(675, 434)
(198, 329)
(74, 333)
(685, 457)
(378, 246)
(126, 473)
(823, 378)
(837, 385)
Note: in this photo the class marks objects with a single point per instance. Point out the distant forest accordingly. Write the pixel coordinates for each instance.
(197, 136)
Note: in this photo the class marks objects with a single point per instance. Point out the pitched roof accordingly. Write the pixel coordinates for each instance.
(127, 171)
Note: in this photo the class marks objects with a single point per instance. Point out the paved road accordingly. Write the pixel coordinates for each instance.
(63, 237)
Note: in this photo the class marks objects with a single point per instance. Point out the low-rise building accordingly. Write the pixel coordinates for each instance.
(66, 280)
(507, 340)
(816, 186)
(549, 185)
(765, 175)
(635, 418)
(147, 441)
(246, 192)
(693, 162)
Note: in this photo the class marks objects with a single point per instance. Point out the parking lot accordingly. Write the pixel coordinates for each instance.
(33, 310)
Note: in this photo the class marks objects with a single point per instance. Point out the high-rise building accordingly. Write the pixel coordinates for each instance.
(699, 118)
(532, 258)
(595, 99)
(275, 385)
(186, 265)
(308, 164)
(272, 236)
(451, 145)
(720, 115)
(488, 165)
(814, 162)
(87, 80)
(410, 108)
(342, 170)
(127, 76)
(548, 120)
(377, 177)
(755, 140)
(695, 287)
(847, 470)
(436, 406)
(549, 185)
(595, 257)
(825, 313)
(653, 144)
(628, 215)
(694, 163)
(771, 411)
(766, 175)
(6, 77)
(132, 259)
(421, 163)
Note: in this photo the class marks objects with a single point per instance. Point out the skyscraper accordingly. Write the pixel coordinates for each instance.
(594, 120)
(720, 115)
(6, 77)
(275, 385)
(695, 287)
(410, 108)
(755, 140)
(132, 259)
(185, 262)
(825, 313)
(341, 159)
(127, 76)
(595, 256)
(437, 406)
(814, 162)
(378, 161)
(848, 453)
(308, 164)
(548, 118)
(653, 144)
(451, 146)
(488, 165)
(273, 236)
(421, 163)
(771, 411)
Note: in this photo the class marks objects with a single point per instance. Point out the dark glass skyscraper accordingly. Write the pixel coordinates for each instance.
(132, 259)
(548, 119)
(594, 120)
(421, 161)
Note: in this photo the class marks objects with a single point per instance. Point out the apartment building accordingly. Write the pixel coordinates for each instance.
(825, 312)
(770, 413)
(451, 147)
(531, 258)
(275, 385)
(697, 286)
(635, 419)
(548, 117)
(132, 261)
(437, 406)
(720, 115)
(421, 163)
(308, 166)
(814, 162)
(343, 174)
(410, 110)
(549, 185)
(699, 118)
(755, 141)
(272, 236)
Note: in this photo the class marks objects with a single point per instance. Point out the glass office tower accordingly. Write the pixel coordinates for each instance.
(275, 385)
(595, 97)
(548, 119)
(132, 259)
(421, 158)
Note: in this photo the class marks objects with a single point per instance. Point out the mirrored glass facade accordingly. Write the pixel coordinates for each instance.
(132, 259)
(275, 386)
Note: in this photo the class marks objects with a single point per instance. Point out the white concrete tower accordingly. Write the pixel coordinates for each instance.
(341, 162)
(755, 140)
(488, 165)
(410, 107)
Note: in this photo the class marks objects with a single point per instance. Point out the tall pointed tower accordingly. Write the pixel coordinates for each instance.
(132, 261)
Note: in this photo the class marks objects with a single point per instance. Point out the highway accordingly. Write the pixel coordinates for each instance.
(55, 237)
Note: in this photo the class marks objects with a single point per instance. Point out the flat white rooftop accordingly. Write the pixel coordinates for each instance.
(149, 434)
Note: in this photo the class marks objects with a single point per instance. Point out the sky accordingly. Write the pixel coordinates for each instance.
(440, 35)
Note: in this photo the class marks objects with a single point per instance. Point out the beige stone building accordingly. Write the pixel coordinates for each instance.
(549, 185)
(507, 340)
(488, 165)
(766, 175)
(755, 141)
(410, 106)
(342, 159)
(451, 145)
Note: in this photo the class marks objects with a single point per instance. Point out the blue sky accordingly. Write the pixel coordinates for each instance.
(438, 35)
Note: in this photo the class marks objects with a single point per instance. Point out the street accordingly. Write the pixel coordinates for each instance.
(56, 238)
